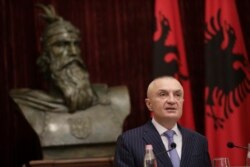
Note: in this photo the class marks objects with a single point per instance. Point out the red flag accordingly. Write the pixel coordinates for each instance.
(227, 90)
(169, 52)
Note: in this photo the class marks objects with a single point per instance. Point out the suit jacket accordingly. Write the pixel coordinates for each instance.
(130, 148)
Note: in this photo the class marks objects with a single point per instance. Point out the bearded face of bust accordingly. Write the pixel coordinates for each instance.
(62, 60)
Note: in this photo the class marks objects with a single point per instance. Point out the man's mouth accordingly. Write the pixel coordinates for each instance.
(74, 61)
(170, 109)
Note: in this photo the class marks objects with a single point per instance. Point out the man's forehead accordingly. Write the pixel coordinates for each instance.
(168, 89)
(66, 36)
(63, 37)
(164, 83)
(167, 83)
(174, 90)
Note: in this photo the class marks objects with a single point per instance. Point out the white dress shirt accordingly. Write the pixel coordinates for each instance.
(177, 137)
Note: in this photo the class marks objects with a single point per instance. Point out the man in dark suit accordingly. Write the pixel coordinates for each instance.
(165, 99)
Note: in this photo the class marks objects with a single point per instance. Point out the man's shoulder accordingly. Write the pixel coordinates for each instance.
(139, 131)
(190, 132)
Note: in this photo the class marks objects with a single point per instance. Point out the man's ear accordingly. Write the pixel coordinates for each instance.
(148, 104)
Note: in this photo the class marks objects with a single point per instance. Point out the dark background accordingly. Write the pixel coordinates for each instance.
(116, 47)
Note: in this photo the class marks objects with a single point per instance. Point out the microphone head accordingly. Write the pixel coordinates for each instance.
(230, 145)
(173, 145)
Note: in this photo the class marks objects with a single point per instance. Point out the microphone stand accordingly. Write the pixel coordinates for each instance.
(172, 145)
(231, 145)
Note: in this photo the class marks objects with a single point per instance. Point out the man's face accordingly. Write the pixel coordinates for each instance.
(68, 72)
(63, 49)
(165, 99)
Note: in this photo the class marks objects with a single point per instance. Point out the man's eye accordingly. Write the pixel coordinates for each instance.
(178, 96)
(77, 43)
(61, 43)
(162, 94)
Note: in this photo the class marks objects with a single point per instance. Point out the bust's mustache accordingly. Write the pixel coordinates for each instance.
(73, 61)
(65, 63)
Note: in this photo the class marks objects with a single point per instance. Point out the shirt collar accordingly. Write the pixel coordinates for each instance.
(162, 129)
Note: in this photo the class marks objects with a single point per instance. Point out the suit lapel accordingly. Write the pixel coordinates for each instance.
(151, 136)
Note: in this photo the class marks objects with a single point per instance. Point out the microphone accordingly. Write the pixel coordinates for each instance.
(231, 145)
(172, 145)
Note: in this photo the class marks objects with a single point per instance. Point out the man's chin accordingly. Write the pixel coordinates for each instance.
(173, 114)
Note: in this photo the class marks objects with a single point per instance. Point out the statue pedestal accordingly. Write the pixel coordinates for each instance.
(83, 134)
(79, 151)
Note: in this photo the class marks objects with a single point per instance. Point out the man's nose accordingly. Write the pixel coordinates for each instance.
(73, 49)
(171, 98)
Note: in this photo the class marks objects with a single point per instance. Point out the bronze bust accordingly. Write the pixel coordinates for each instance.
(74, 111)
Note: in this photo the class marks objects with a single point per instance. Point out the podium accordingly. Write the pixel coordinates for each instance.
(85, 162)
